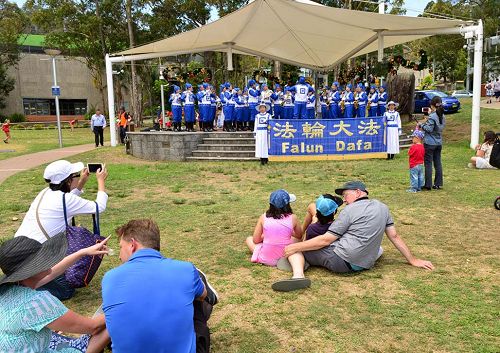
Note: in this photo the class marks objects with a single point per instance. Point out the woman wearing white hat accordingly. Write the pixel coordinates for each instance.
(45, 217)
(393, 129)
(260, 133)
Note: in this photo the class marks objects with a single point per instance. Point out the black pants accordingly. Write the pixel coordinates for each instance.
(202, 312)
(123, 134)
(99, 135)
(433, 155)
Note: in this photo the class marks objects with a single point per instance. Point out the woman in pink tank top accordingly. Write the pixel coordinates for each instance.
(276, 229)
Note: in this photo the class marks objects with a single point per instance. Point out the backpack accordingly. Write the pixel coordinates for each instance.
(495, 153)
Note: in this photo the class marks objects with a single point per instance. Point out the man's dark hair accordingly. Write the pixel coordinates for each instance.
(144, 231)
(278, 213)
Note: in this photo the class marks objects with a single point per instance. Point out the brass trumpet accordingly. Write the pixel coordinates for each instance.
(342, 105)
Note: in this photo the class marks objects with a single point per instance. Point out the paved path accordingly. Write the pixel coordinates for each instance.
(492, 105)
(15, 165)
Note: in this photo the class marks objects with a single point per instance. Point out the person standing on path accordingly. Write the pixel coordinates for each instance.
(6, 130)
(97, 125)
(433, 144)
(496, 89)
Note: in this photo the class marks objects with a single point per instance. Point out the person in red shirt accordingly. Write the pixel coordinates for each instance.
(6, 129)
(416, 159)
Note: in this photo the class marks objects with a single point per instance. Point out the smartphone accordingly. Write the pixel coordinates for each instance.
(94, 167)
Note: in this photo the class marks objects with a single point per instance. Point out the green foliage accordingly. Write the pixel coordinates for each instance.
(6, 84)
(427, 83)
(17, 118)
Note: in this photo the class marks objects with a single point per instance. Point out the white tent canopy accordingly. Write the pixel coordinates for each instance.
(305, 34)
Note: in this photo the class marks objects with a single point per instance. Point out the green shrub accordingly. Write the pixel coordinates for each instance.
(38, 126)
(17, 118)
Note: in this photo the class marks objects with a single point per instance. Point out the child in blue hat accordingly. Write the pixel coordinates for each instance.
(320, 215)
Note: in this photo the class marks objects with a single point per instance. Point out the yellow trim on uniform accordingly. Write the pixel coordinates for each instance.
(328, 157)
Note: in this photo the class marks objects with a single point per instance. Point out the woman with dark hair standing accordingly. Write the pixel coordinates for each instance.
(45, 217)
(275, 229)
(433, 144)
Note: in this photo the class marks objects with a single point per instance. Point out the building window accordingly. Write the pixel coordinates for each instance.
(40, 106)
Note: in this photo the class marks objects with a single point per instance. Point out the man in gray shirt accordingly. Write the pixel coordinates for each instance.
(352, 243)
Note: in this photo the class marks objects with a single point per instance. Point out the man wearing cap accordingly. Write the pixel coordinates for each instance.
(301, 90)
(188, 99)
(352, 242)
(97, 125)
(382, 100)
(176, 103)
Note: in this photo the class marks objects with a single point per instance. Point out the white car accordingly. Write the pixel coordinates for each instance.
(462, 94)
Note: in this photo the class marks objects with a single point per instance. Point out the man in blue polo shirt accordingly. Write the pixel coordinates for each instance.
(148, 300)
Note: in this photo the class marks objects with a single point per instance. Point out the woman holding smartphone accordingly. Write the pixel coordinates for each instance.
(45, 217)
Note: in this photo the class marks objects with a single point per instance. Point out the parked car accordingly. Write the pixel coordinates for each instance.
(462, 94)
(423, 100)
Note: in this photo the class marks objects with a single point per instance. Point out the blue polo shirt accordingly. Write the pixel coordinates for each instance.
(148, 304)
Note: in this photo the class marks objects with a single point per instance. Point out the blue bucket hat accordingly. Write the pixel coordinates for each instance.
(205, 85)
(176, 88)
(277, 86)
(373, 87)
(336, 84)
(280, 198)
(251, 83)
(227, 84)
(236, 89)
(188, 85)
(360, 85)
(326, 206)
(302, 80)
(349, 86)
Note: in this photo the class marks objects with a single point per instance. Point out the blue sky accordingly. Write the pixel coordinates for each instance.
(411, 6)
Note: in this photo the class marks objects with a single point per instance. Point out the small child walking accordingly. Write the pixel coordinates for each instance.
(416, 159)
(6, 130)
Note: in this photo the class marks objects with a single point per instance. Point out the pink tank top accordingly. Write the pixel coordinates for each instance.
(277, 234)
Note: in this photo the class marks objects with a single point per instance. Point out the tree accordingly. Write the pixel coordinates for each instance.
(12, 23)
(86, 29)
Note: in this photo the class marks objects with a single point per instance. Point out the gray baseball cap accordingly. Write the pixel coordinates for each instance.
(351, 185)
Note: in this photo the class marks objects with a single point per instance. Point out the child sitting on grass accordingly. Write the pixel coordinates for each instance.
(275, 229)
(325, 210)
(311, 215)
(416, 155)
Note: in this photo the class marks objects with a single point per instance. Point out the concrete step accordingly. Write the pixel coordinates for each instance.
(223, 153)
(229, 140)
(226, 147)
(217, 159)
(224, 134)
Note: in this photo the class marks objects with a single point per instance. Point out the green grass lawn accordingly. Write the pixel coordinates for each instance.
(30, 141)
(205, 211)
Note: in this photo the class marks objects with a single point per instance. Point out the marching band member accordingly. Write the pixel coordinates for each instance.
(335, 99)
(300, 89)
(288, 104)
(240, 108)
(382, 99)
(373, 101)
(348, 99)
(260, 132)
(213, 107)
(311, 105)
(361, 98)
(203, 97)
(277, 98)
(393, 126)
(175, 100)
(188, 99)
(228, 105)
(324, 101)
(253, 101)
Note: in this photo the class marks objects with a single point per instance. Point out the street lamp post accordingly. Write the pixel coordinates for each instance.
(56, 90)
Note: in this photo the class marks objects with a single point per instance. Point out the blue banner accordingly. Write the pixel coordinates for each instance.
(326, 136)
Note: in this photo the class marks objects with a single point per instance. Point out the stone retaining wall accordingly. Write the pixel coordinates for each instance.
(163, 146)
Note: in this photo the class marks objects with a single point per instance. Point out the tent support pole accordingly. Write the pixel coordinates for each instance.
(380, 56)
(111, 101)
(476, 90)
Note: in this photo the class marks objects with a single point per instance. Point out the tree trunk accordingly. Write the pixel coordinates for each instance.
(135, 96)
(401, 89)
